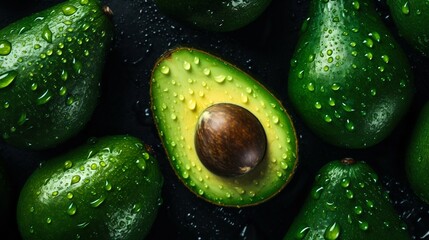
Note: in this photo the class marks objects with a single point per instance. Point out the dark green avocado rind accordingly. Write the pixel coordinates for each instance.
(217, 16)
(347, 202)
(49, 82)
(417, 158)
(109, 188)
(185, 81)
(411, 18)
(349, 80)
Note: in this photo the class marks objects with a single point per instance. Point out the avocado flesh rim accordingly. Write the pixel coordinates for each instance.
(184, 83)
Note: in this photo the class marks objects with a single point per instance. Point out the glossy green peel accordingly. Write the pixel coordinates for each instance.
(417, 158)
(185, 82)
(50, 70)
(411, 18)
(349, 80)
(109, 188)
(347, 202)
(217, 16)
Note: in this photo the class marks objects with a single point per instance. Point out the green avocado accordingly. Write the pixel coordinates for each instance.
(216, 16)
(50, 70)
(229, 140)
(417, 158)
(411, 17)
(347, 202)
(349, 80)
(109, 188)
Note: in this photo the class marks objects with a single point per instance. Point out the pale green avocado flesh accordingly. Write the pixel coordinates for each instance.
(184, 83)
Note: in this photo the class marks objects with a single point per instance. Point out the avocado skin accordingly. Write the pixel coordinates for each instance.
(350, 81)
(411, 19)
(216, 16)
(58, 60)
(417, 158)
(104, 180)
(350, 196)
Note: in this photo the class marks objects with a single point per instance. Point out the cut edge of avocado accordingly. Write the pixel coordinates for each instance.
(181, 88)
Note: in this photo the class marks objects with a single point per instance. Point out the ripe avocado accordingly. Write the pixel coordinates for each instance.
(109, 188)
(227, 137)
(347, 202)
(217, 16)
(51, 65)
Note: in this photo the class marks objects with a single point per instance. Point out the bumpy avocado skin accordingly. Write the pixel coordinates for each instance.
(217, 16)
(347, 202)
(350, 81)
(411, 18)
(51, 66)
(109, 188)
(417, 158)
(184, 83)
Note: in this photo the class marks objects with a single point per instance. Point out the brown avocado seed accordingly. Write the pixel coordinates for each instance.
(229, 140)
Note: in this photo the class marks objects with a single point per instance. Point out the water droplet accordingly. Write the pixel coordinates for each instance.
(316, 192)
(363, 225)
(44, 98)
(302, 232)
(206, 71)
(97, 202)
(68, 164)
(331, 102)
(349, 194)
(358, 210)
(186, 65)
(356, 5)
(376, 36)
(69, 10)
(385, 58)
(47, 34)
(5, 47)
(311, 58)
(301, 74)
(7, 78)
(70, 195)
(405, 8)
(369, 55)
(310, 87)
(165, 70)
(373, 92)
(368, 42)
(335, 87)
(350, 125)
(75, 179)
(332, 232)
(327, 118)
(48, 220)
(220, 78)
(64, 75)
(192, 105)
(317, 105)
(71, 210)
(369, 203)
(345, 182)
(141, 163)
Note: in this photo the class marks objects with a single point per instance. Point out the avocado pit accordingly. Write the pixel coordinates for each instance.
(230, 141)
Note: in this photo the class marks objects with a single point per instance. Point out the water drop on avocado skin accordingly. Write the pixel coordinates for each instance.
(358, 64)
(49, 56)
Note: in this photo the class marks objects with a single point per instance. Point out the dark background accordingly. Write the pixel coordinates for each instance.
(263, 49)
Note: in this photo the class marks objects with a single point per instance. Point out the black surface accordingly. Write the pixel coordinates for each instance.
(263, 49)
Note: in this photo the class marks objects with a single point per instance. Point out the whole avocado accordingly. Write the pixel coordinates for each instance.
(350, 81)
(50, 72)
(217, 16)
(109, 188)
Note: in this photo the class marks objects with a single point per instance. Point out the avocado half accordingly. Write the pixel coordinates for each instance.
(184, 83)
